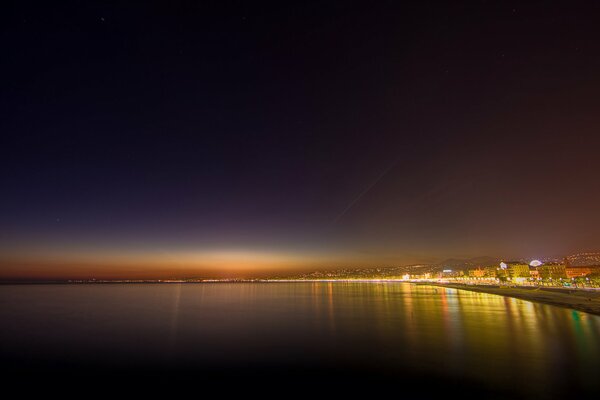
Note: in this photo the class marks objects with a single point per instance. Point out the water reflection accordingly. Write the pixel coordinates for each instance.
(505, 342)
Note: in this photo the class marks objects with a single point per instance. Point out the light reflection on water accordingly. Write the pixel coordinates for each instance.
(492, 339)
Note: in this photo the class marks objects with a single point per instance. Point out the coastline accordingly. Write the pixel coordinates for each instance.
(581, 300)
(577, 299)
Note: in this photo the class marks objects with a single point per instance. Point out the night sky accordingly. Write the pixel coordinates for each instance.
(233, 138)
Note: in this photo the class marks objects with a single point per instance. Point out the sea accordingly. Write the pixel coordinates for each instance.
(338, 336)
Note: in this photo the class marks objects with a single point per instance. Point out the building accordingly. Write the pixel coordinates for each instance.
(576, 272)
(551, 270)
(449, 273)
(514, 270)
(535, 274)
(518, 270)
(476, 273)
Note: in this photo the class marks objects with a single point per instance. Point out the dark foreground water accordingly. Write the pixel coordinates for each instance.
(411, 339)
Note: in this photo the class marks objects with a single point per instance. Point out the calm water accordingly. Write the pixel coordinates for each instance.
(413, 336)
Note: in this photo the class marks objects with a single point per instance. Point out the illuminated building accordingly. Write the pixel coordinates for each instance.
(554, 271)
(519, 270)
(477, 273)
(575, 272)
(515, 269)
(449, 273)
(535, 274)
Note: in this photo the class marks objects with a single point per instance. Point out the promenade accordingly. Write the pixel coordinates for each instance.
(587, 300)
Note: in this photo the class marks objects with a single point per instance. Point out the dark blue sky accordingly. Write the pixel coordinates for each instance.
(334, 132)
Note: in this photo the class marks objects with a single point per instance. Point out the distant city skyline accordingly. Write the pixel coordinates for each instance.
(222, 264)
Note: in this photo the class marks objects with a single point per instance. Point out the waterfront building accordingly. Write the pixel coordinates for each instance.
(477, 273)
(551, 270)
(518, 270)
(576, 272)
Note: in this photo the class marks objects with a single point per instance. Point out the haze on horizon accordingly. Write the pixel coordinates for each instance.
(227, 139)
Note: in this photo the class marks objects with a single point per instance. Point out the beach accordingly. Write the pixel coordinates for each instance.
(587, 300)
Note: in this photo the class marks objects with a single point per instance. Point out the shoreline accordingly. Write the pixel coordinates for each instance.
(577, 299)
(580, 300)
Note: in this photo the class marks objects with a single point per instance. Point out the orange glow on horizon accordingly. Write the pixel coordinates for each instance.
(107, 264)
